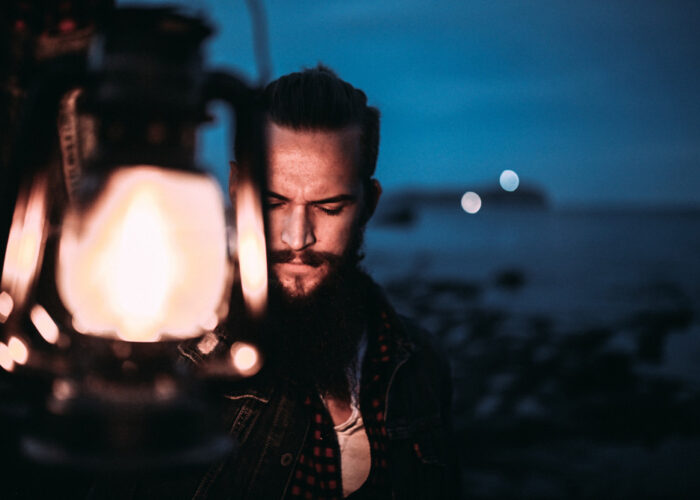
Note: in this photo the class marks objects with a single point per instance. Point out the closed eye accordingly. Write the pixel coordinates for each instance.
(273, 203)
(334, 209)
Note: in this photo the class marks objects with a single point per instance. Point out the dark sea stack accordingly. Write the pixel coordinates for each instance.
(400, 216)
(523, 197)
(402, 208)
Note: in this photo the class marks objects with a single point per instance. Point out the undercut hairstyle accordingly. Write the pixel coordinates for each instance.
(317, 99)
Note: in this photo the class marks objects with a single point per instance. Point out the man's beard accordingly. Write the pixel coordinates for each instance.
(313, 339)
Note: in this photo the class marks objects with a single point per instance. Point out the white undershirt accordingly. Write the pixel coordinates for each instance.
(355, 455)
(355, 458)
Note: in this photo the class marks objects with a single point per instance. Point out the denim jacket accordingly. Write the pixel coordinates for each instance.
(270, 425)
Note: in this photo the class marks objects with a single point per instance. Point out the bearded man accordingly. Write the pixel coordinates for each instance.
(352, 401)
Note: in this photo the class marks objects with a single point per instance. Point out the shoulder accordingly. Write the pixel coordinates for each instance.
(419, 419)
(420, 351)
(426, 358)
(420, 340)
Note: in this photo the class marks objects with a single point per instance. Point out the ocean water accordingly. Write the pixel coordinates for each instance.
(574, 339)
(582, 265)
(581, 268)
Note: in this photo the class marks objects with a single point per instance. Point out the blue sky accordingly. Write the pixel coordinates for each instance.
(597, 101)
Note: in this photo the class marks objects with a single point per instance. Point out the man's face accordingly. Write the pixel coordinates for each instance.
(315, 201)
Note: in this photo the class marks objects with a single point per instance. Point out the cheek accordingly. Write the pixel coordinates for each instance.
(334, 233)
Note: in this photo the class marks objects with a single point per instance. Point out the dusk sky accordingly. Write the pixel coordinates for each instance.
(597, 102)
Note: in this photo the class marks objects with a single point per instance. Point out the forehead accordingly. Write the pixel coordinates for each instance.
(317, 160)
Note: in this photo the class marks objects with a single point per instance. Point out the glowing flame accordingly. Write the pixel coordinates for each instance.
(252, 256)
(245, 358)
(139, 250)
(149, 259)
(44, 324)
(6, 306)
(18, 350)
(6, 361)
(25, 244)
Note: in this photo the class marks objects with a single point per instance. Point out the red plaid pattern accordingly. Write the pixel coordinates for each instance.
(317, 474)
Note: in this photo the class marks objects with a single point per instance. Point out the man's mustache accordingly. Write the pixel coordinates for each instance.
(308, 257)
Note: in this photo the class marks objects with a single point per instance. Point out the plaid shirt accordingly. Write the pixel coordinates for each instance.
(317, 474)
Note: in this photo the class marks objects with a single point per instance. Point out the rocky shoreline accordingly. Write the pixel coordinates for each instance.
(542, 410)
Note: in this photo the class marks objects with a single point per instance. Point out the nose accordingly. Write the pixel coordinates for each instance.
(298, 232)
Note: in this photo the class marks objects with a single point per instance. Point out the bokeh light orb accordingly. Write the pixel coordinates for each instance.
(18, 350)
(471, 202)
(509, 180)
(245, 358)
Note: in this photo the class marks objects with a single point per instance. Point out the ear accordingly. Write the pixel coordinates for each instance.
(232, 181)
(375, 191)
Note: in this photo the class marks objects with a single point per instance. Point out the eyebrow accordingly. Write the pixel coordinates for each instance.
(332, 199)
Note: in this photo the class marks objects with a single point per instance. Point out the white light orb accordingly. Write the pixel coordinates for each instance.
(245, 358)
(509, 180)
(471, 202)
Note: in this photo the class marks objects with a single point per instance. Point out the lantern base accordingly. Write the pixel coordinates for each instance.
(87, 434)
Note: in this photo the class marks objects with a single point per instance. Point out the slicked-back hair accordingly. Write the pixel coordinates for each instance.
(317, 99)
